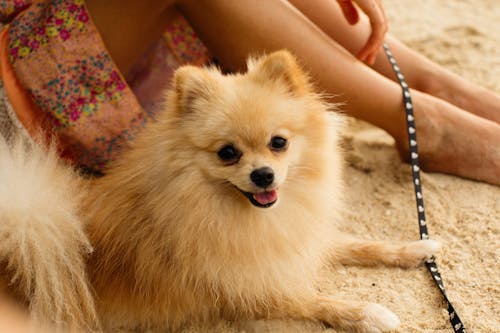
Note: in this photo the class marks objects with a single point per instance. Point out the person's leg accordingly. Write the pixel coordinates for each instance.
(420, 73)
(452, 140)
(129, 27)
(232, 30)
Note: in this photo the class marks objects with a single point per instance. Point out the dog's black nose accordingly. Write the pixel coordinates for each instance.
(262, 177)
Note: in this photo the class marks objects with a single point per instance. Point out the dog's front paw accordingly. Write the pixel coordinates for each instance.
(378, 318)
(415, 253)
(356, 317)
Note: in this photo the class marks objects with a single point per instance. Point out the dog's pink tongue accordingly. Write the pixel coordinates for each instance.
(266, 197)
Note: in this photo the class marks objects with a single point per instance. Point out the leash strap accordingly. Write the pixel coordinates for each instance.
(455, 321)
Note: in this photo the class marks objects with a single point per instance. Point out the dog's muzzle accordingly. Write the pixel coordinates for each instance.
(263, 199)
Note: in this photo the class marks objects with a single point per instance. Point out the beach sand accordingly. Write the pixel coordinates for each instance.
(464, 215)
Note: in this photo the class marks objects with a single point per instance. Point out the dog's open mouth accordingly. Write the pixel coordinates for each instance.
(263, 199)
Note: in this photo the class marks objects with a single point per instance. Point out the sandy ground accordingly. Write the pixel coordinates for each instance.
(463, 36)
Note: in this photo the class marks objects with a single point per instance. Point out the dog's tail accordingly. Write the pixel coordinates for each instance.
(42, 242)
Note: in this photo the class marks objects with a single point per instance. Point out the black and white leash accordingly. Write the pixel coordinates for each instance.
(455, 321)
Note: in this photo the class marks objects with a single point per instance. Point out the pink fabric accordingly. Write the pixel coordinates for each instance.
(151, 75)
(59, 57)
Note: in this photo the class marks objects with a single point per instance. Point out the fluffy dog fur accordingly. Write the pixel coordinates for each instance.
(42, 241)
(175, 238)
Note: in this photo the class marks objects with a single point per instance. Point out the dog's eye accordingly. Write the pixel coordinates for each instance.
(229, 154)
(278, 143)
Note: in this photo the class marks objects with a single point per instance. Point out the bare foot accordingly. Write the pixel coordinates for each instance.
(451, 140)
(463, 94)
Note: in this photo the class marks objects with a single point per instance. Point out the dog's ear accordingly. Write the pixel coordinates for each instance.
(280, 66)
(191, 85)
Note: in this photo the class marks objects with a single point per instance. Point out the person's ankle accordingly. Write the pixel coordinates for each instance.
(428, 128)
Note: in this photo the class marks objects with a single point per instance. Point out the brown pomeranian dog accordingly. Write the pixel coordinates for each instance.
(225, 207)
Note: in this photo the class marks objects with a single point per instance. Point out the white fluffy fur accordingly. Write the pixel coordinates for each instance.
(379, 319)
(42, 241)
